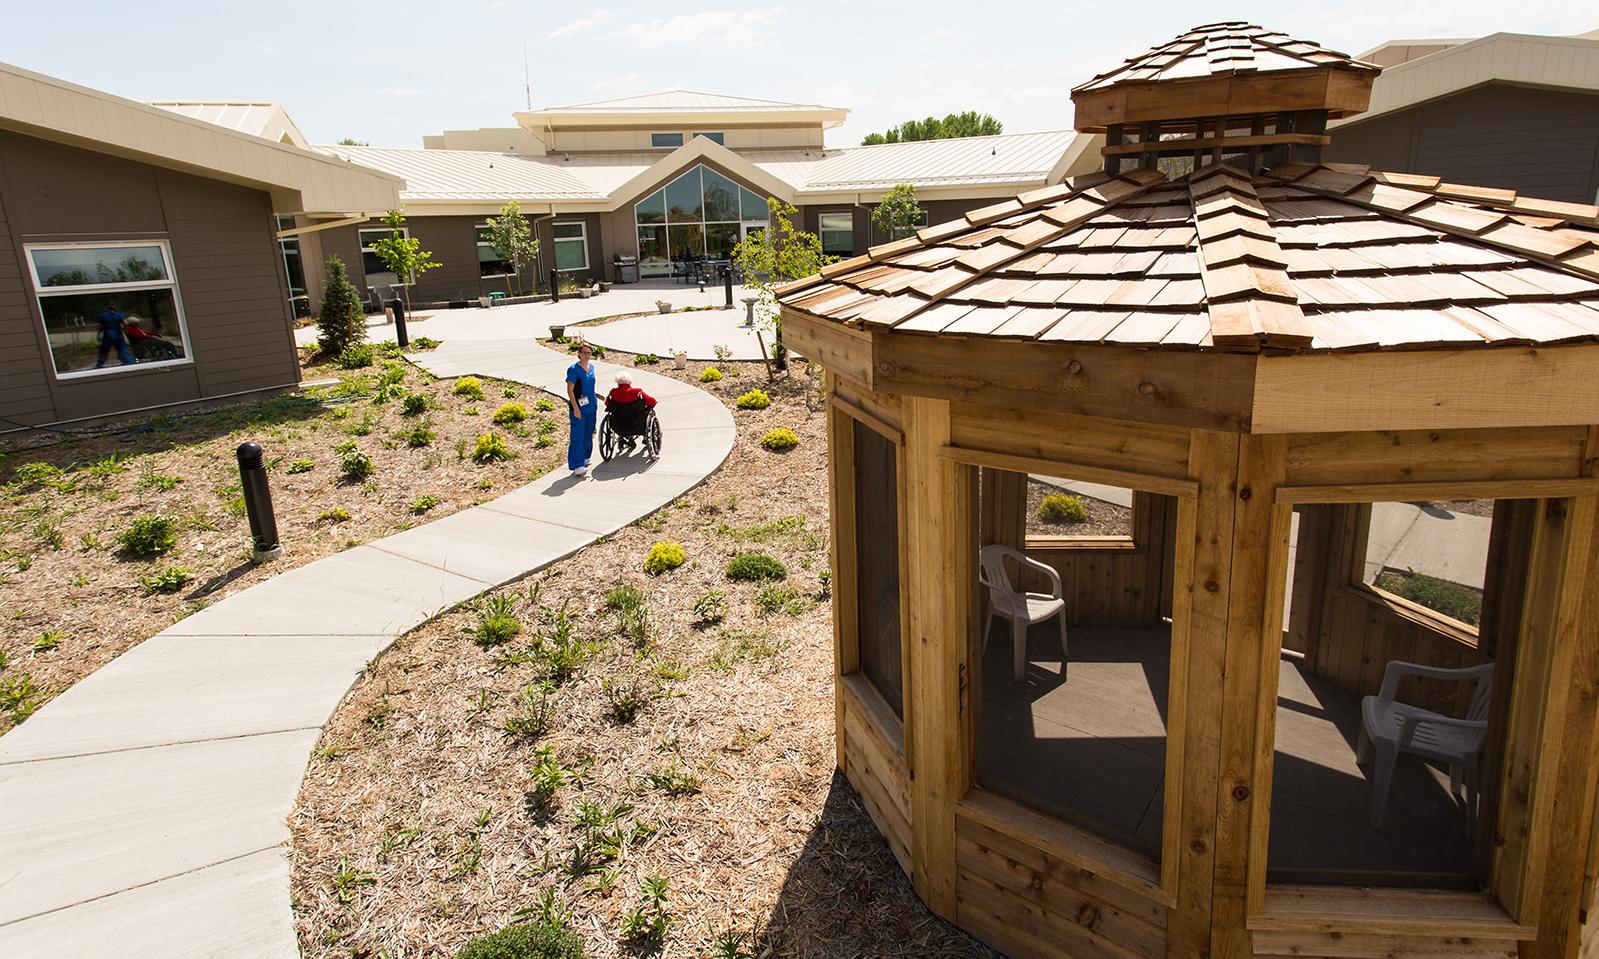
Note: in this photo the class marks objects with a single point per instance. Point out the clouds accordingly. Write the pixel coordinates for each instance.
(583, 25)
(399, 92)
(731, 27)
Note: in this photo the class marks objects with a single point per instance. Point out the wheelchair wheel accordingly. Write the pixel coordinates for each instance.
(652, 438)
(607, 439)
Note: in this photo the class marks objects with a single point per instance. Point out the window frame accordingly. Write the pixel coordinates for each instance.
(360, 240)
(40, 292)
(656, 137)
(823, 231)
(717, 137)
(556, 241)
(481, 243)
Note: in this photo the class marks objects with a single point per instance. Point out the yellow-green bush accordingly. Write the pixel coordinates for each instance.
(780, 440)
(664, 555)
(754, 400)
(1060, 508)
(510, 413)
(710, 374)
(468, 386)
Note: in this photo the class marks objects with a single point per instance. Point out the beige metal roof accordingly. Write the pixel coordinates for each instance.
(299, 181)
(1025, 158)
(1565, 62)
(432, 175)
(680, 108)
(680, 101)
(259, 118)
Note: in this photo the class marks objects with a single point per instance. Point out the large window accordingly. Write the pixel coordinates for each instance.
(666, 140)
(108, 305)
(489, 261)
(571, 247)
(837, 231)
(699, 214)
(294, 266)
(376, 273)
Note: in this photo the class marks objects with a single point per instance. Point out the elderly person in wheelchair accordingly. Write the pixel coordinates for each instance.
(629, 417)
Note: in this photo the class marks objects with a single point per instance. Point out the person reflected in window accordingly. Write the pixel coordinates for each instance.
(113, 336)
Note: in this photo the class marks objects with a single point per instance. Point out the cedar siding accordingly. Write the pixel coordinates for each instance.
(1541, 143)
(225, 257)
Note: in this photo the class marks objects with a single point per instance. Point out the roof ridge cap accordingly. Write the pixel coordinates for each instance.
(1248, 292)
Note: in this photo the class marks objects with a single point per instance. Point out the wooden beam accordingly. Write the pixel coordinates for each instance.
(1444, 490)
(872, 421)
(1076, 471)
(1225, 95)
(1215, 143)
(938, 522)
(1386, 911)
(1432, 389)
(841, 503)
(836, 347)
(1439, 458)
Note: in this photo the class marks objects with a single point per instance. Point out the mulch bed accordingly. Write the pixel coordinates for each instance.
(1104, 519)
(61, 576)
(422, 822)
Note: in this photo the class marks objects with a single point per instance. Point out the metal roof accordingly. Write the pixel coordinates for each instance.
(685, 101)
(1015, 158)
(1302, 257)
(258, 118)
(471, 175)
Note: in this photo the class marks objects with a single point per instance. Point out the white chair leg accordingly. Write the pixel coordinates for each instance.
(1063, 653)
(1382, 777)
(1018, 632)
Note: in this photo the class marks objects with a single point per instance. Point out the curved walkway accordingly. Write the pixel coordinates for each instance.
(143, 812)
(698, 334)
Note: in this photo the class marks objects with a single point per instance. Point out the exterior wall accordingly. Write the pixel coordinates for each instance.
(637, 139)
(491, 139)
(1542, 143)
(226, 259)
(867, 235)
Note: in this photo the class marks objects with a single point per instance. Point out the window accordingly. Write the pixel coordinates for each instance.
(489, 262)
(666, 139)
(700, 213)
(921, 222)
(376, 273)
(108, 303)
(713, 137)
(837, 231)
(571, 247)
(294, 266)
(877, 577)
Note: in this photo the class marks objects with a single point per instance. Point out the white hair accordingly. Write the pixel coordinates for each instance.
(624, 378)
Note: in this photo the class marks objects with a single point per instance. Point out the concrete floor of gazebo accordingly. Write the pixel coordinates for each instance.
(1091, 750)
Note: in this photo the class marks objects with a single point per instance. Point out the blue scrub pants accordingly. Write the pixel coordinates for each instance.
(118, 340)
(581, 448)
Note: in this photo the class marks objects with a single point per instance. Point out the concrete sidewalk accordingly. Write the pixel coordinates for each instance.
(697, 334)
(143, 812)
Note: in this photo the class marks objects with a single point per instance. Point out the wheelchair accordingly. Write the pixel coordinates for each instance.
(627, 423)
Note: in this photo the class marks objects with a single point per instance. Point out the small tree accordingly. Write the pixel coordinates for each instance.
(774, 256)
(402, 255)
(897, 213)
(513, 240)
(341, 320)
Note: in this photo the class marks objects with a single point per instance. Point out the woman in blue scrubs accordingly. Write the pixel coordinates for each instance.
(582, 406)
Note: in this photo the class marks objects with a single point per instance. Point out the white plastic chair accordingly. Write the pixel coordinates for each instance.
(1389, 728)
(1022, 609)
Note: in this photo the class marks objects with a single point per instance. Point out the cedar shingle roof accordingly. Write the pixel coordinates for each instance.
(1300, 257)
(1221, 48)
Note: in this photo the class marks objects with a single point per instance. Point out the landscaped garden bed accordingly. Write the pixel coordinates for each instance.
(635, 744)
(107, 539)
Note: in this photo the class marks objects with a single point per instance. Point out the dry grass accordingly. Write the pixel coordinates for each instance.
(722, 781)
(60, 571)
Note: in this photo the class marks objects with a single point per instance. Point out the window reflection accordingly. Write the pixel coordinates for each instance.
(707, 215)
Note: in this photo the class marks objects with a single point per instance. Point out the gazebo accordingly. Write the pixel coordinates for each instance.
(1267, 359)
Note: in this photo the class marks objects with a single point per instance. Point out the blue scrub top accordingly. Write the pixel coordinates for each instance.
(584, 379)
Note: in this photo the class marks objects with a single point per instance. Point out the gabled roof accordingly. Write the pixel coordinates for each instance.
(673, 101)
(1220, 48)
(456, 175)
(1568, 63)
(258, 118)
(1300, 258)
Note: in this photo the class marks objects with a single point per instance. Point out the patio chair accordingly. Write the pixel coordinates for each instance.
(1390, 727)
(1021, 608)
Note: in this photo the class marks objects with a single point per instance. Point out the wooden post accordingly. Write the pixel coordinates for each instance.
(940, 576)
(841, 501)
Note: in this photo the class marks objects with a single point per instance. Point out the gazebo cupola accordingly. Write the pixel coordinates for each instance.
(1257, 716)
(1230, 92)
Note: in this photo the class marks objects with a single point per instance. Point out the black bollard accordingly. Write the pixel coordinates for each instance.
(400, 337)
(727, 280)
(555, 288)
(258, 503)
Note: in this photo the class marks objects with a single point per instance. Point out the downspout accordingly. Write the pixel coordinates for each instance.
(538, 259)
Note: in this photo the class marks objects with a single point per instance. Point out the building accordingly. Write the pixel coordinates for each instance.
(108, 204)
(1509, 111)
(666, 177)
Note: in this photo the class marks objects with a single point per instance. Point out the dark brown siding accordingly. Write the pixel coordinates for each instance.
(1543, 143)
(225, 257)
(453, 242)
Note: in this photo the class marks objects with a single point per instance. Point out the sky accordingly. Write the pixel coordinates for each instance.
(389, 73)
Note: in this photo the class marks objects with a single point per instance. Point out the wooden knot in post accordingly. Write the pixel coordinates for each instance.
(1241, 792)
(1211, 586)
(1198, 846)
(1074, 367)
(1146, 388)
(884, 366)
(1088, 916)
(1245, 493)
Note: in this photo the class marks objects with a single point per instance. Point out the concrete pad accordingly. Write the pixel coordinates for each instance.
(1115, 495)
(76, 829)
(489, 547)
(1450, 546)
(359, 592)
(174, 689)
(238, 908)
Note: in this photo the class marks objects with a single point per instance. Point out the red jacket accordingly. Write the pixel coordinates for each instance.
(629, 394)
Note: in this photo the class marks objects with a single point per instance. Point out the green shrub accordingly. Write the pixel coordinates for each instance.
(340, 321)
(491, 448)
(424, 503)
(468, 386)
(48, 641)
(355, 356)
(620, 599)
(169, 580)
(663, 556)
(772, 599)
(1440, 595)
(337, 514)
(149, 536)
(710, 609)
(414, 404)
(544, 405)
(755, 567)
(302, 466)
(31, 476)
(419, 343)
(354, 463)
(780, 440)
(157, 481)
(1060, 508)
(532, 712)
(755, 399)
(710, 374)
(532, 941)
(418, 435)
(496, 621)
(646, 359)
(510, 413)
